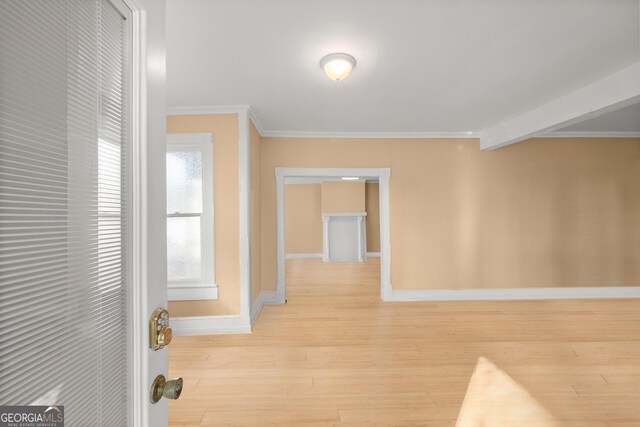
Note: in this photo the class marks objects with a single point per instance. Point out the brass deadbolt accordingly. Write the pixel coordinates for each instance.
(165, 336)
(162, 388)
(160, 333)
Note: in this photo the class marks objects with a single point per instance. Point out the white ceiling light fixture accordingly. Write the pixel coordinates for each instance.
(350, 178)
(337, 66)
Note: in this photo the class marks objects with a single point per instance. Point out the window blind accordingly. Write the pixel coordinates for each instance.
(63, 216)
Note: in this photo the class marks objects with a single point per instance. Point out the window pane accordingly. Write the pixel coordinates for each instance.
(183, 249)
(184, 181)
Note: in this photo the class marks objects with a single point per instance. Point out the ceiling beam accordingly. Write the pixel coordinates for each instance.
(610, 93)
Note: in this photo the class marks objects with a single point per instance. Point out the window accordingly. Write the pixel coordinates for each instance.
(190, 262)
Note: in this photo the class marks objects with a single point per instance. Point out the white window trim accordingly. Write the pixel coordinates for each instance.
(207, 288)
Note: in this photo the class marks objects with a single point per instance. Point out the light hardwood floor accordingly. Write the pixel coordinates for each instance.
(335, 355)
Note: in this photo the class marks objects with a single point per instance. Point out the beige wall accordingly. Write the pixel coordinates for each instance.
(256, 222)
(372, 207)
(342, 196)
(224, 128)
(540, 213)
(303, 218)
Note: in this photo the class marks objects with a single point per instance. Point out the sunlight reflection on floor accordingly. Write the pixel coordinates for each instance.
(494, 399)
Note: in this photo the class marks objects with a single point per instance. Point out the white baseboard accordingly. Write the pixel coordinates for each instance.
(373, 254)
(306, 255)
(514, 294)
(208, 325)
(265, 297)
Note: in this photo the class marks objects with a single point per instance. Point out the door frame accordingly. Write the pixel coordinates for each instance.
(137, 295)
(382, 174)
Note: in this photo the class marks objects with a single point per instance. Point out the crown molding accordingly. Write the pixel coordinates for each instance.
(370, 135)
(256, 121)
(561, 134)
(247, 109)
(251, 113)
(207, 109)
(219, 109)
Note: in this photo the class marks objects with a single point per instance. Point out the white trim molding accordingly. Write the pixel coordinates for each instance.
(245, 217)
(318, 180)
(219, 109)
(253, 116)
(206, 325)
(368, 135)
(514, 294)
(563, 134)
(192, 292)
(207, 109)
(382, 174)
(385, 239)
(304, 255)
(280, 240)
(137, 293)
(264, 298)
(266, 133)
(325, 238)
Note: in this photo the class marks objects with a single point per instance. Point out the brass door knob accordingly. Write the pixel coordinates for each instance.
(171, 389)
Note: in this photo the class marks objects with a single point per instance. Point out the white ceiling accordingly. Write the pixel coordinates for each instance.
(623, 120)
(422, 66)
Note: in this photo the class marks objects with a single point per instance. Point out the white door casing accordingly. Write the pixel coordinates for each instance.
(149, 288)
(382, 174)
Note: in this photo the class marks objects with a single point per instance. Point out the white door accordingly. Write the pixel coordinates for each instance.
(82, 228)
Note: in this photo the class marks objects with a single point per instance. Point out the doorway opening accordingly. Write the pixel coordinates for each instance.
(340, 220)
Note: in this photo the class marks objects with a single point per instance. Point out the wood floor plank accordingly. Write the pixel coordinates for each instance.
(335, 355)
